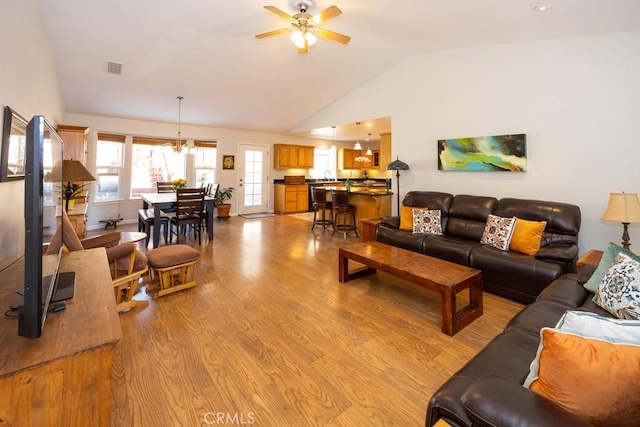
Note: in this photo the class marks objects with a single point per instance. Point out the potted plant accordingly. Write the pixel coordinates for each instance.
(69, 192)
(221, 196)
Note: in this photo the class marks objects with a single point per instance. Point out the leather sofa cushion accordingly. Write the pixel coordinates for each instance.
(537, 316)
(431, 199)
(468, 216)
(566, 289)
(501, 267)
(401, 239)
(448, 248)
(563, 220)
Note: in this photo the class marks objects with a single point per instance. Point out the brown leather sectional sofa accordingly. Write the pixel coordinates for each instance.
(488, 390)
(510, 274)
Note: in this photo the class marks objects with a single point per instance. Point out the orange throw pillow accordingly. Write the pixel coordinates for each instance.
(527, 236)
(594, 379)
(406, 217)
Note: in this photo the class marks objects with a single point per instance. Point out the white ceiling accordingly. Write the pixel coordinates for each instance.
(205, 50)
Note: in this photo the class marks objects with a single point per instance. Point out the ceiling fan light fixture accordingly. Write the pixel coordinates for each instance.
(310, 37)
(298, 39)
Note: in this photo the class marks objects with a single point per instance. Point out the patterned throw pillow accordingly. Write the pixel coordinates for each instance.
(426, 221)
(498, 232)
(610, 253)
(619, 291)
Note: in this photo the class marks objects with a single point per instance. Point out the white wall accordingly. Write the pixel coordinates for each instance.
(28, 84)
(578, 101)
(228, 142)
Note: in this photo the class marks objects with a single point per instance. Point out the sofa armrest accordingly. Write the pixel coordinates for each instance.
(495, 401)
(391, 221)
(558, 252)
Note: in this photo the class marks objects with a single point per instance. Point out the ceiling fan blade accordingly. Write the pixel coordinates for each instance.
(278, 12)
(325, 15)
(272, 33)
(332, 35)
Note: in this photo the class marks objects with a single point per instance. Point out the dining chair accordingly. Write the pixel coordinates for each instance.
(146, 216)
(189, 213)
(164, 187)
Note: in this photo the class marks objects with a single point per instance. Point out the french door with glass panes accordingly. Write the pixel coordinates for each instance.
(253, 179)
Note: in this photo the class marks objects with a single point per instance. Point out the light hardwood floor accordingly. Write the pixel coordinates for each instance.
(269, 337)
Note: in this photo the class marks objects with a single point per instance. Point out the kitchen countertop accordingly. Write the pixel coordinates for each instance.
(369, 191)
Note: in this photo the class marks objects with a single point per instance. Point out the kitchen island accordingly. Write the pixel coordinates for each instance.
(370, 201)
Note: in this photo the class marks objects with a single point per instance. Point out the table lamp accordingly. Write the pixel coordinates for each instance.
(398, 165)
(72, 171)
(624, 208)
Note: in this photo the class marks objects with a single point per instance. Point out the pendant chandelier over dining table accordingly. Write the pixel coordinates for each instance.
(180, 144)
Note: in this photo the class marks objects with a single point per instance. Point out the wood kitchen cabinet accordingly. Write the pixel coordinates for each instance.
(288, 156)
(289, 198)
(305, 157)
(385, 150)
(75, 142)
(347, 160)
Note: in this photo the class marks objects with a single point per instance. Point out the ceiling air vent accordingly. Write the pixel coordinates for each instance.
(114, 67)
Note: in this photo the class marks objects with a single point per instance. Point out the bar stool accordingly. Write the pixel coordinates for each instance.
(321, 204)
(342, 209)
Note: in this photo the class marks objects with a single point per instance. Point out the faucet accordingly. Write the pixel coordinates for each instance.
(327, 173)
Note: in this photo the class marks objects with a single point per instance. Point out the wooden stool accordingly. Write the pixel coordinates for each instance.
(321, 204)
(172, 268)
(342, 211)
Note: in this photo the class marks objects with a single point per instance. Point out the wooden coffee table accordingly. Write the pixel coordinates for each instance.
(439, 275)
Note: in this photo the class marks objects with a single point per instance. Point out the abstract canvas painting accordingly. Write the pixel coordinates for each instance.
(506, 153)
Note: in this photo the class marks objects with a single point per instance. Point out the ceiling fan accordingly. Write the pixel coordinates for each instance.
(304, 26)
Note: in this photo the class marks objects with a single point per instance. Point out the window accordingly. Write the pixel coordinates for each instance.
(205, 162)
(324, 163)
(109, 153)
(153, 161)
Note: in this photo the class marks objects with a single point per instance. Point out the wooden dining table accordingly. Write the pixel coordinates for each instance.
(161, 201)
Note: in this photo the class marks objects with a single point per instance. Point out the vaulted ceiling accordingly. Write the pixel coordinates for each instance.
(205, 50)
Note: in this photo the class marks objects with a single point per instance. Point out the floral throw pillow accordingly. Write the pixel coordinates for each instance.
(619, 291)
(498, 232)
(426, 221)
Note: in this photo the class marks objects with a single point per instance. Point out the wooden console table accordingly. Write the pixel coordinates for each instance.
(592, 257)
(62, 378)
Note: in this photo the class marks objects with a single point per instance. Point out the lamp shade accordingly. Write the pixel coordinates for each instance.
(398, 165)
(622, 207)
(69, 170)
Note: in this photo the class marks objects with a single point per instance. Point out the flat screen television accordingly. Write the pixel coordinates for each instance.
(44, 148)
